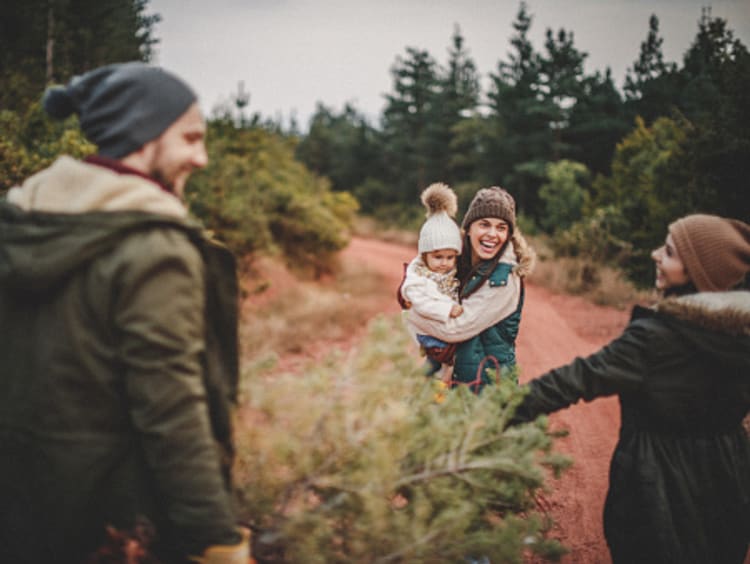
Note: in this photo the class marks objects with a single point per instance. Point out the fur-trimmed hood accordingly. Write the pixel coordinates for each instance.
(525, 255)
(715, 322)
(725, 312)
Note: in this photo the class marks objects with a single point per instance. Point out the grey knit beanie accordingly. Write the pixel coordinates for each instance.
(715, 250)
(121, 106)
(491, 202)
(439, 230)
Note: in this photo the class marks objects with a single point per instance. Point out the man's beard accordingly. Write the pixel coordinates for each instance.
(158, 175)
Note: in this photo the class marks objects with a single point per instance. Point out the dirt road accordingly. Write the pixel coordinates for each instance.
(554, 330)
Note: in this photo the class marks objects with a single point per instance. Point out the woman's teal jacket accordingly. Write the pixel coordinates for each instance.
(497, 342)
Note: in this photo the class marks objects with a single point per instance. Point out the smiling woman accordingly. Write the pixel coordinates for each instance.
(670, 270)
(679, 486)
(494, 260)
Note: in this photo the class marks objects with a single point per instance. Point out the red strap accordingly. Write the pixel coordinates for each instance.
(477, 381)
(401, 301)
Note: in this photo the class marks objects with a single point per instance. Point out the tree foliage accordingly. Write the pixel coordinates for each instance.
(407, 148)
(365, 460)
(522, 139)
(257, 197)
(44, 41)
(30, 142)
(540, 107)
(345, 148)
(564, 194)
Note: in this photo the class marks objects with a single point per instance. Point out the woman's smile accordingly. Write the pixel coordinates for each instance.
(487, 236)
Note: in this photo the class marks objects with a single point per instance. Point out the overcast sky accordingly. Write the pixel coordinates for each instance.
(291, 54)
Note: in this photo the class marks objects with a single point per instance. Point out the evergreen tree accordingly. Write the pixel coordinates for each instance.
(564, 194)
(406, 124)
(651, 85)
(343, 147)
(364, 460)
(647, 188)
(712, 53)
(596, 123)
(717, 155)
(521, 140)
(650, 64)
(561, 73)
(315, 149)
(45, 41)
(257, 198)
(456, 101)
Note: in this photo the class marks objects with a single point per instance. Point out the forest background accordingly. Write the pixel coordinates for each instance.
(597, 174)
(600, 170)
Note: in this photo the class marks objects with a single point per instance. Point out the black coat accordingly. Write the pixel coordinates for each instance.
(680, 474)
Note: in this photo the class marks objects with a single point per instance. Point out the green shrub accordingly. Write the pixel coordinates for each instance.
(364, 460)
(595, 238)
(30, 142)
(564, 195)
(256, 197)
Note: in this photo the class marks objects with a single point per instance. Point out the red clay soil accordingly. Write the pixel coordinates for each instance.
(554, 330)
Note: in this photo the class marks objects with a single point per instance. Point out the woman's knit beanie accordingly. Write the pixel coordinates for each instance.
(439, 230)
(491, 202)
(122, 106)
(714, 250)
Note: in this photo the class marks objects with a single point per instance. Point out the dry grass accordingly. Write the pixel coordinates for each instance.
(599, 284)
(292, 315)
(369, 228)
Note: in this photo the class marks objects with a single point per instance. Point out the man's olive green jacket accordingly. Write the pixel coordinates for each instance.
(118, 365)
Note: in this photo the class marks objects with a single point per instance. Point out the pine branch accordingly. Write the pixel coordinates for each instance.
(502, 465)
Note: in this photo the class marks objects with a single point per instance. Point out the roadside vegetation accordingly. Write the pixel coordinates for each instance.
(362, 459)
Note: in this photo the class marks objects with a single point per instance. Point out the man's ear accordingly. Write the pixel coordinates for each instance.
(142, 160)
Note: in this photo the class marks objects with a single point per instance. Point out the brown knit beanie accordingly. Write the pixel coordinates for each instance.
(491, 202)
(714, 250)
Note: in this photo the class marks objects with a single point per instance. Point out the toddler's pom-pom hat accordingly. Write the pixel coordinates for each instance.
(439, 230)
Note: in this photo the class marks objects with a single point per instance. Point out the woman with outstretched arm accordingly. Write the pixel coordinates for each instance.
(679, 487)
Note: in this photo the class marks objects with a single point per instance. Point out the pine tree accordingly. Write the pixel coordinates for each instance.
(406, 124)
(651, 85)
(521, 140)
(564, 194)
(343, 147)
(596, 123)
(457, 100)
(364, 460)
(717, 79)
(561, 72)
(650, 64)
(714, 50)
(45, 41)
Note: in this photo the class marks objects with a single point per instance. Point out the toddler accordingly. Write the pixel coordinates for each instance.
(430, 286)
